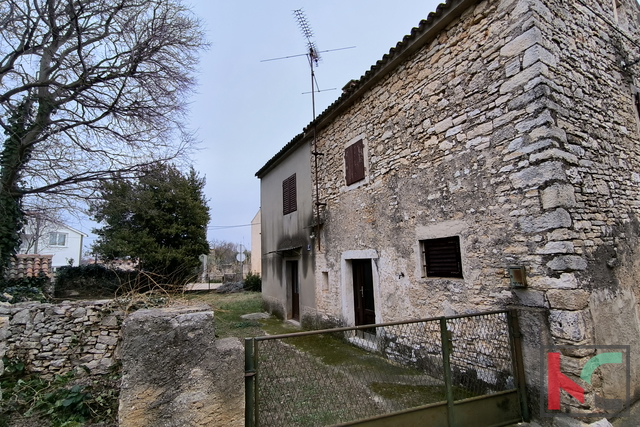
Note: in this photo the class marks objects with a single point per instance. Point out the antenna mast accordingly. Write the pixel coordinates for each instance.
(314, 58)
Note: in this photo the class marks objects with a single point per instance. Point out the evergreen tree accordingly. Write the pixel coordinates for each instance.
(160, 219)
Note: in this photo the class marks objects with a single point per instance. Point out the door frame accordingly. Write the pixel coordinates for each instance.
(348, 309)
(289, 288)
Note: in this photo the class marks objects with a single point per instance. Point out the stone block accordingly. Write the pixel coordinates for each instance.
(568, 299)
(559, 218)
(568, 263)
(554, 154)
(108, 340)
(569, 325)
(525, 76)
(79, 312)
(538, 53)
(173, 364)
(558, 195)
(522, 42)
(530, 297)
(537, 175)
(557, 248)
(22, 317)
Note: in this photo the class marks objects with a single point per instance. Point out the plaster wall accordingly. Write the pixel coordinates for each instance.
(287, 237)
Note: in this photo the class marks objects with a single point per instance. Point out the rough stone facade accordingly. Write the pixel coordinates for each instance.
(55, 339)
(514, 128)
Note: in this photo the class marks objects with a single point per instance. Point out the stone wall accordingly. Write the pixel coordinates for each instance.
(514, 129)
(54, 339)
(175, 373)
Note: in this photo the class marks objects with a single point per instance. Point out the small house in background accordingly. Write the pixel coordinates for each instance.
(64, 243)
(256, 247)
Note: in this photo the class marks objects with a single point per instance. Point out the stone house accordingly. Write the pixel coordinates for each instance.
(490, 160)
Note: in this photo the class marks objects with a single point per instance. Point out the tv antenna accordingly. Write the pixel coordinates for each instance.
(313, 56)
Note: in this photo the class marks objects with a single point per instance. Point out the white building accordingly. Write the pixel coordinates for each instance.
(63, 242)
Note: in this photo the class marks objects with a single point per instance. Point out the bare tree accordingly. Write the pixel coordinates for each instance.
(90, 89)
(39, 223)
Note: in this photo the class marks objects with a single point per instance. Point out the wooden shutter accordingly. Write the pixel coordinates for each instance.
(289, 196)
(442, 257)
(354, 162)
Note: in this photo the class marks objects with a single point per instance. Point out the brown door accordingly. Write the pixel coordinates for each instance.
(363, 292)
(294, 288)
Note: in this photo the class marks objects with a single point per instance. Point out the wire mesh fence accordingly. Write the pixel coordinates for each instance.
(320, 378)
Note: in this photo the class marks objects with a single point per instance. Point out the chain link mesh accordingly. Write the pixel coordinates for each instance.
(329, 377)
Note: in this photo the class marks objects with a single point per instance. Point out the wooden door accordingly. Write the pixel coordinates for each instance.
(364, 304)
(294, 288)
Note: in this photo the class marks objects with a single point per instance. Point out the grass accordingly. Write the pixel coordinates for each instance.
(321, 379)
(228, 308)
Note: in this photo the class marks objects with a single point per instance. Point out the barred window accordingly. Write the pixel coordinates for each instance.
(441, 257)
(289, 196)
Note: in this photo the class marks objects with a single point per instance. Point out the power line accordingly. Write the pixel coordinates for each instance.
(223, 227)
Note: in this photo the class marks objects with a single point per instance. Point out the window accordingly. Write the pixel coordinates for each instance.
(354, 162)
(57, 239)
(289, 197)
(442, 257)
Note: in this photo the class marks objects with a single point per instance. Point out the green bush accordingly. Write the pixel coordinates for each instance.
(253, 282)
(25, 289)
(92, 280)
(65, 401)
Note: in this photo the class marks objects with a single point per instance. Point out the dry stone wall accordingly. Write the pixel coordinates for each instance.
(55, 339)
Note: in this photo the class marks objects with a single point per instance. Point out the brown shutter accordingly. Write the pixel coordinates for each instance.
(289, 196)
(354, 162)
(442, 257)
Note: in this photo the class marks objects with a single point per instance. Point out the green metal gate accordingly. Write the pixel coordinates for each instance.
(448, 371)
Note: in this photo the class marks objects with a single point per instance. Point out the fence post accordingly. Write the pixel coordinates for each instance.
(250, 407)
(446, 353)
(518, 364)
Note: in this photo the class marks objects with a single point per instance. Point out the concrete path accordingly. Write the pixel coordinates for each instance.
(202, 286)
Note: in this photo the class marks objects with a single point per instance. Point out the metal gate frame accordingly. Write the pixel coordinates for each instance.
(491, 410)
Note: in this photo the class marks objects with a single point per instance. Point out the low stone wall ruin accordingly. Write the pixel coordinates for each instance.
(174, 371)
(55, 339)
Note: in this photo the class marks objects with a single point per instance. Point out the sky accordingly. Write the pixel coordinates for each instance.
(245, 110)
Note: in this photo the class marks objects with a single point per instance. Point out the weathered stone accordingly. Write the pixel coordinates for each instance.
(557, 248)
(530, 297)
(569, 325)
(567, 263)
(255, 316)
(173, 364)
(537, 175)
(22, 317)
(559, 218)
(568, 299)
(521, 43)
(108, 340)
(558, 195)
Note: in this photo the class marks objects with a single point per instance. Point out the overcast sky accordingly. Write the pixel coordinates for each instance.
(247, 110)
